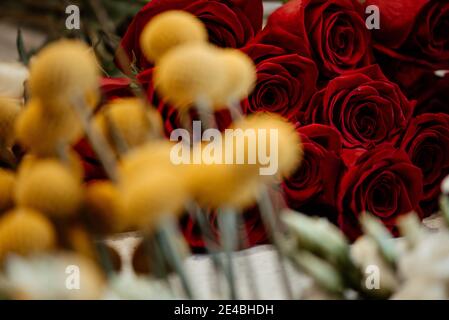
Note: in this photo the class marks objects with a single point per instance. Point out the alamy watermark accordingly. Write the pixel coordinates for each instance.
(233, 146)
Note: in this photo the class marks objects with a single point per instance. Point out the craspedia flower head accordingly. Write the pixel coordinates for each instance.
(149, 197)
(7, 182)
(9, 111)
(103, 205)
(153, 153)
(43, 132)
(128, 121)
(63, 69)
(240, 77)
(51, 188)
(72, 162)
(25, 231)
(77, 238)
(219, 184)
(168, 30)
(282, 143)
(189, 74)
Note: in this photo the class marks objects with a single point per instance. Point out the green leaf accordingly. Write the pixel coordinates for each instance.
(23, 55)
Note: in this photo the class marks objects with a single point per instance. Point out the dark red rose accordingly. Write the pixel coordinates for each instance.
(312, 189)
(331, 32)
(383, 182)
(435, 97)
(427, 144)
(363, 106)
(112, 88)
(413, 39)
(230, 23)
(285, 82)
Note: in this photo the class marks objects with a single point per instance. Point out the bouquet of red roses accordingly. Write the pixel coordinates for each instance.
(371, 104)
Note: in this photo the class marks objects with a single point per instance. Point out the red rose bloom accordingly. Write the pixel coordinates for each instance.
(285, 82)
(230, 23)
(427, 144)
(331, 32)
(434, 98)
(383, 182)
(363, 106)
(413, 38)
(312, 188)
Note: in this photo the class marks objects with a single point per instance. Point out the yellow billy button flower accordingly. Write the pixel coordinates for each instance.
(153, 153)
(155, 193)
(129, 122)
(9, 111)
(7, 182)
(240, 77)
(169, 30)
(25, 231)
(51, 188)
(103, 205)
(282, 143)
(190, 74)
(43, 132)
(63, 69)
(216, 183)
(150, 186)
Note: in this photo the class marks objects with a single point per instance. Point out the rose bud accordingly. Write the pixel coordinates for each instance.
(24, 231)
(169, 30)
(190, 74)
(51, 188)
(126, 123)
(63, 69)
(7, 181)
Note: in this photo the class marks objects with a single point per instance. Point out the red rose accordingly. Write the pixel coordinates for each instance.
(230, 23)
(363, 106)
(434, 98)
(285, 82)
(383, 182)
(331, 32)
(312, 188)
(427, 144)
(413, 38)
(112, 88)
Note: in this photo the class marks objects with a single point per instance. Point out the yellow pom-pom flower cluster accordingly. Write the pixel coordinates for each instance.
(62, 70)
(51, 188)
(9, 111)
(169, 30)
(24, 232)
(129, 122)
